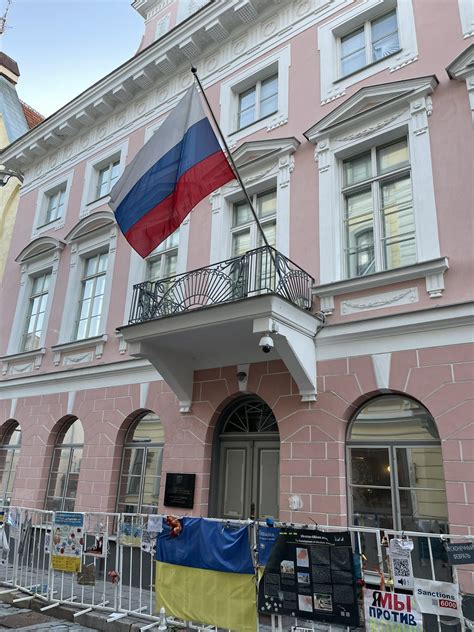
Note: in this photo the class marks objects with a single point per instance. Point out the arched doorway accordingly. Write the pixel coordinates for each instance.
(247, 454)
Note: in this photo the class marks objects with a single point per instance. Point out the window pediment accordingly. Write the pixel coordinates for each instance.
(463, 65)
(368, 99)
(253, 151)
(39, 247)
(91, 223)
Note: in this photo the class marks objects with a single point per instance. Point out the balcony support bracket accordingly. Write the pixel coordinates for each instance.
(177, 372)
(295, 346)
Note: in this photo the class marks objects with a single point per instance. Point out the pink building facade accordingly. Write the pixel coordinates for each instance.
(352, 125)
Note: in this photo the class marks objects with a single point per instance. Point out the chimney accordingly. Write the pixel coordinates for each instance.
(9, 68)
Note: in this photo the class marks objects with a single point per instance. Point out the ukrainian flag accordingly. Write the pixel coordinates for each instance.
(206, 575)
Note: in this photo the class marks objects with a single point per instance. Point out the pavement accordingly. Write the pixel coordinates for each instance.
(14, 618)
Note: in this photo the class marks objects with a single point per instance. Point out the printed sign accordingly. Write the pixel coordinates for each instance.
(437, 598)
(67, 541)
(400, 561)
(390, 611)
(267, 536)
(460, 553)
(310, 574)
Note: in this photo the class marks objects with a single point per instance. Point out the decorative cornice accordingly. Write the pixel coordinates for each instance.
(463, 65)
(149, 84)
(38, 247)
(361, 106)
(90, 223)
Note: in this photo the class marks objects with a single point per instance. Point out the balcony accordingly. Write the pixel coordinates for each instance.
(214, 316)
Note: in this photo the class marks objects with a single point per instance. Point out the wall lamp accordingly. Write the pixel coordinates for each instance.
(6, 174)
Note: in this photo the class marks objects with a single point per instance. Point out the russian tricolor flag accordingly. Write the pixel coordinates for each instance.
(181, 164)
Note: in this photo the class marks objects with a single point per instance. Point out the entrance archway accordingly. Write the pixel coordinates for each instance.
(247, 466)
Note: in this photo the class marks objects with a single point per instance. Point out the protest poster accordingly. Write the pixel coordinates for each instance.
(310, 574)
(155, 524)
(390, 611)
(67, 541)
(441, 598)
(267, 536)
(14, 517)
(460, 553)
(400, 560)
(130, 534)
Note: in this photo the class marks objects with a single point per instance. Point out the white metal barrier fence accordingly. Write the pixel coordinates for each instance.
(118, 566)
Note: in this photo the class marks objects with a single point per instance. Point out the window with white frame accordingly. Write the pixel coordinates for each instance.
(54, 204)
(107, 176)
(9, 453)
(258, 101)
(92, 296)
(364, 39)
(142, 459)
(370, 42)
(37, 303)
(379, 225)
(162, 263)
(245, 233)
(256, 98)
(65, 468)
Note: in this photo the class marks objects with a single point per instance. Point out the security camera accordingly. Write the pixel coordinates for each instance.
(266, 344)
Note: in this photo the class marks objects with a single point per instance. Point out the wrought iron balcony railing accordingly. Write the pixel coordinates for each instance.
(260, 271)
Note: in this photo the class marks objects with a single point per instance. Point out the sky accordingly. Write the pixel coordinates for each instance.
(64, 46)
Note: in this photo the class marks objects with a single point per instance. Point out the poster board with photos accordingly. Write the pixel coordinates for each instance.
(310, 575)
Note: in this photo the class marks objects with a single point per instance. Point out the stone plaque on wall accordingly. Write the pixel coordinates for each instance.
(179, 490)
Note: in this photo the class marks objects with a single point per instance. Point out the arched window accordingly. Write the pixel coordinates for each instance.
(395, 467)
(140, 475)
(9, 452)
(65, 466)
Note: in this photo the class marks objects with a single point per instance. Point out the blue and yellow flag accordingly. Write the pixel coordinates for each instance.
(206, 574)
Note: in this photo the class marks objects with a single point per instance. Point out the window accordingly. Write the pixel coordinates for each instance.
(55, 205)
(379, 224)
(65, 467)
(92, 296)
(140, 475)
(9, 453)
(257, 97)
(396, 478)
(372, 41)
(36, 312)
(162, 263)
(257, 102)
(245, 233)
(364, 39)
(106, 178)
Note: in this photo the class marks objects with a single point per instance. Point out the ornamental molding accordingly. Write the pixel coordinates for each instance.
(150, 84)
(432, 271)
(356, 114)
(371, 128)
(378, 301)
(25, 362)
(40, 247)
(79, 351)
